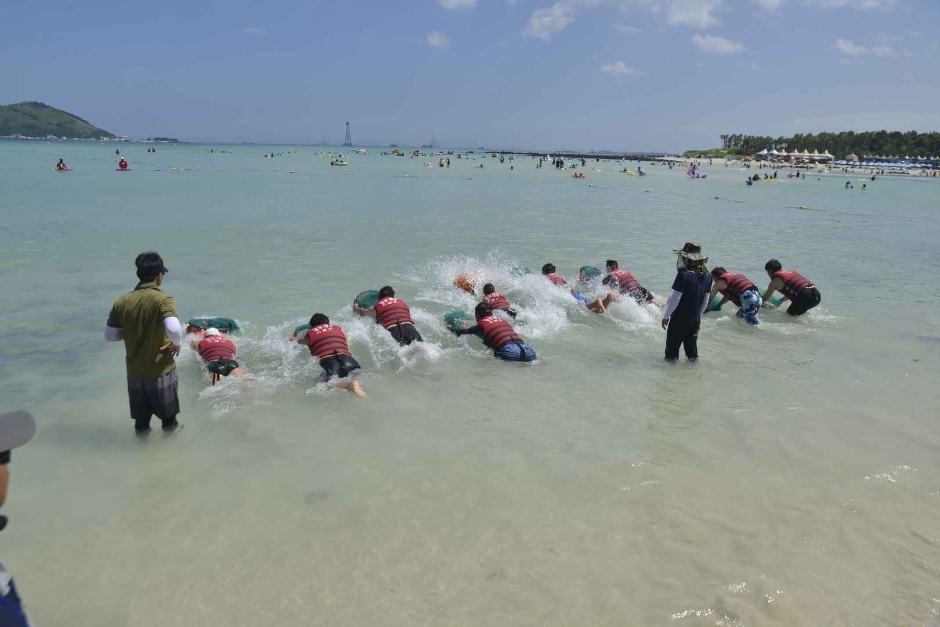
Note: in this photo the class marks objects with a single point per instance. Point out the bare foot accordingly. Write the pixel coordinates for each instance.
(357, 390)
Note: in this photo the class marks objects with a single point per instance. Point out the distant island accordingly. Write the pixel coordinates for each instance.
(909, 144)
(39, 120)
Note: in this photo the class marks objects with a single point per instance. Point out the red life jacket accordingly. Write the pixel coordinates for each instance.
(793, 282)
(737, 285)
(391, 311)
(216, 347)
(61, 166)
(557, 280)
(122, 164)
(326, 340)
(625, 280)
(497, 332)
(496, 301)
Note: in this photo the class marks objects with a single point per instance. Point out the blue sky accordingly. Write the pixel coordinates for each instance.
(580, 74)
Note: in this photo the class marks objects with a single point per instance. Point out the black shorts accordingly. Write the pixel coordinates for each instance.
(642, 295)
(405, 334)
(222, 367)
(808, 298)
(338, 366)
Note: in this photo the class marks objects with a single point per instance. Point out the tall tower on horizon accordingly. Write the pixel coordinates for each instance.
(348, 140)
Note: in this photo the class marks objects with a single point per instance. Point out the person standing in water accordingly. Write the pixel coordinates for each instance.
(793, 286)
(122, 164)
(145, 320)
(498, 335)
(690, 291)
(739, 290)
(394, 316)
(329, 345)
(61, 167)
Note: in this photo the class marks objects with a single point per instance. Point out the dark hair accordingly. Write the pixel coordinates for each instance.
(482, 310)
(612, 264)
(149, 265)
(548, 268)
(773, 266)
(488, 289)
(317, 319)
(718, 271)
(386, 291)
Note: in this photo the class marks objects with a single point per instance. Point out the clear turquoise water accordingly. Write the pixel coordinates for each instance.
(788, 479)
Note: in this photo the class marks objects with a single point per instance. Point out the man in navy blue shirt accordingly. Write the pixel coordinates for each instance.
(689, 299)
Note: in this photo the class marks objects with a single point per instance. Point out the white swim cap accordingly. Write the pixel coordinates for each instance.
(212, 331)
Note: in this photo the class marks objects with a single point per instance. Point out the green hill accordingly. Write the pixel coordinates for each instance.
(35, 119)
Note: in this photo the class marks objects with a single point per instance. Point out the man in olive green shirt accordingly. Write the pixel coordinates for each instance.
(145, 320)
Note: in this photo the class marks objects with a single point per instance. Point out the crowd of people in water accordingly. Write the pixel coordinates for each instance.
(145, 320)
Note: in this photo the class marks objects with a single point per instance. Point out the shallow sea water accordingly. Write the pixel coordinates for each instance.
(789, 478)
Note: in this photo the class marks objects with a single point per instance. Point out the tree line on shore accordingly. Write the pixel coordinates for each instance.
(889, 143)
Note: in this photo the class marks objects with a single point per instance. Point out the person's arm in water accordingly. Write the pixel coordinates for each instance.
(364, 312)
(717, 287)
(512, 313)
(303, 340)
(775, 284)
(474, 330)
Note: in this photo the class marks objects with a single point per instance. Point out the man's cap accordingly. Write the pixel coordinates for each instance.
(16, 429)
(212, 331)
(691, 251)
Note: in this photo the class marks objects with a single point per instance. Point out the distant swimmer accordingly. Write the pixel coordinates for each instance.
(624, 282)
(848, 185)
(793, 286)
(394, 316)
(61, 167)
(499, 335)
(117, 152)
(496, 301)
(218, 354)
(329, 345)
(122, 164)
(690, 291)
(739, 290)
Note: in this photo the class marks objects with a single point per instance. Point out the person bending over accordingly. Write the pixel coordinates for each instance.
(328, 344)
(499, 335)
(740, 290)
(793, 286)
(394, 316)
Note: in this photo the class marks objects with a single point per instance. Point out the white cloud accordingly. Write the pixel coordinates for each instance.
(618, 68)
(625, 28)
(547, 21)
(457, 4)
(437, 39)
(865, 5)
(851, 49)
(770, 5)
(718, 45)
(698, 14)
(254, 30)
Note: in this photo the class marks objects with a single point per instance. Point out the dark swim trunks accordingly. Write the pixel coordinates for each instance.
(222, 367)
(808, 298)
(154, 397)
(405, 334)
(642, 295)
(338, 366)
